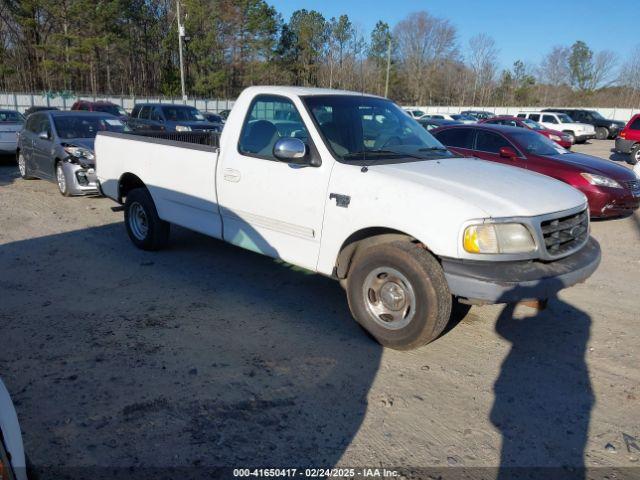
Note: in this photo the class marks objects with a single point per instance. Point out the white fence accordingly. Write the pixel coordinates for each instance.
(22, 101)
(623, 114)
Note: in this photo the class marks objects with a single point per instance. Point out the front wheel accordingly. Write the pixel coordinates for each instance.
(145, 228)
(602, 133)
(571, 136)
(61, 180)
(634, 154)
(398, 293)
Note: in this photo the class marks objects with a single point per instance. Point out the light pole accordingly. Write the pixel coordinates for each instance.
(180, 39)
(386, 83)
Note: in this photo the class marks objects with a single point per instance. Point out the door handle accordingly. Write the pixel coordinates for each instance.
(231, 175)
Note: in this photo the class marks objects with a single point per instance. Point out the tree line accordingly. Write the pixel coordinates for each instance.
(129, 47)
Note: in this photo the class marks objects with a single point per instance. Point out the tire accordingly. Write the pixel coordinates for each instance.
(62, 181)
(572, 137)
(602, 133)
(144, 227)
(634, 154)
(23, 167)
(418, 302)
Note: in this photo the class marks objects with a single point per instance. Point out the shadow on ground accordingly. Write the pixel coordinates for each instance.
(543, 394)
(200, 355)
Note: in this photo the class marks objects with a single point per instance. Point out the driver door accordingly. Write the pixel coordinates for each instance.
(43, 148)
(268, 206)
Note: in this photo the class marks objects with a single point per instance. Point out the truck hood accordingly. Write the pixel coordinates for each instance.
(600, 166)
(498, 190)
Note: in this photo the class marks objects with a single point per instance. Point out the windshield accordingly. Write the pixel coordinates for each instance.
(537, 144)
(531, 124)
(87, 126)
(358, 128)
(9, 116)
(564, 118)
(177, 114)
(112, 109)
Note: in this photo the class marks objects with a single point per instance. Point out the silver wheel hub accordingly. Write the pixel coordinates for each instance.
(138, 221)
(389, 298)
(21, 165)
(62, 182)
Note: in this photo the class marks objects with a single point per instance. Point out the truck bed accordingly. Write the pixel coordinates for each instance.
(182, 181)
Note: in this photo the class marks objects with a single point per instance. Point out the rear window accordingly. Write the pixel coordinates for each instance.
(635, 125)
(456, 137)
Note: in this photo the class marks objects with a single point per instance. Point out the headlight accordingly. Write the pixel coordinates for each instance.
(600, 181)
(555, 138)
(183, 128)
(498, 238)
(79, 152)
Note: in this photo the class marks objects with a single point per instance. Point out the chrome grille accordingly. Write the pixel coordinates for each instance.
(564, 234)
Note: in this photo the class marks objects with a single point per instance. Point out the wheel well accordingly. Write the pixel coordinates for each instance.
(128, 182)
(363, 239)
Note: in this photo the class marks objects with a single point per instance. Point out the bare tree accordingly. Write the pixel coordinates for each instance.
(423, 41)
(554, 73)
(483, 55)
(603, 74)
(630, 77)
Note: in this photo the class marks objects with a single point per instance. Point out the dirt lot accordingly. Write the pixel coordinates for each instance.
(208, 355)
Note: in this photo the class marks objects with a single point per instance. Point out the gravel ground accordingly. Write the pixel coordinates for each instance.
(207, 355)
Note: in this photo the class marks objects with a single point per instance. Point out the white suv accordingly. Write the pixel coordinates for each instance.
(580, 132)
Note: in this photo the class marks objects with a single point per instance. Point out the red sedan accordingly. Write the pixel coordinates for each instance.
(611, 189)
(560, 138)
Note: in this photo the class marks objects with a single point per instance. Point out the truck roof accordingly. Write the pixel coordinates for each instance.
(302, 91)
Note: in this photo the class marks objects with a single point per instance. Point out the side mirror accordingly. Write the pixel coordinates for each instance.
(291, 150)
(43, 135)
(508, 152)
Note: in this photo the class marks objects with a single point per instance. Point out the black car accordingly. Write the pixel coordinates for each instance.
(432, 123)
(35, 109)
(605, 128)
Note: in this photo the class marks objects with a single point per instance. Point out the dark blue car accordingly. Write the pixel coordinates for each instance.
(170, 118)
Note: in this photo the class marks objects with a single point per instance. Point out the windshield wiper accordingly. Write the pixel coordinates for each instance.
(364, 153)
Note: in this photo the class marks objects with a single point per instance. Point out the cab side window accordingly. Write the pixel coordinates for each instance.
(549, 119)
(535, 117)
(270, 118)
(155, 115)
(491, 142)
(144, 112)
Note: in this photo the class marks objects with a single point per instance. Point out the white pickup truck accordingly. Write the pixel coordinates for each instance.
(349, 186)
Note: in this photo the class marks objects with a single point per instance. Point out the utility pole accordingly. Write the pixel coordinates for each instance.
(386, 84)
(180, 39)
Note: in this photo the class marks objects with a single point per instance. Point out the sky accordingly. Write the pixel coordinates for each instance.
(523, 29)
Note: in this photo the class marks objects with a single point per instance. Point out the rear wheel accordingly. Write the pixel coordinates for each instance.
(602, 133)
(145, 228)
(398, 293)
(634, 154)
(23, 167)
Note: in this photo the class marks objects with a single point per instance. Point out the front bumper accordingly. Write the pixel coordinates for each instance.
(583, 137)
(611, 202)
(511, 282)
(623, 146)
(82, 181)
